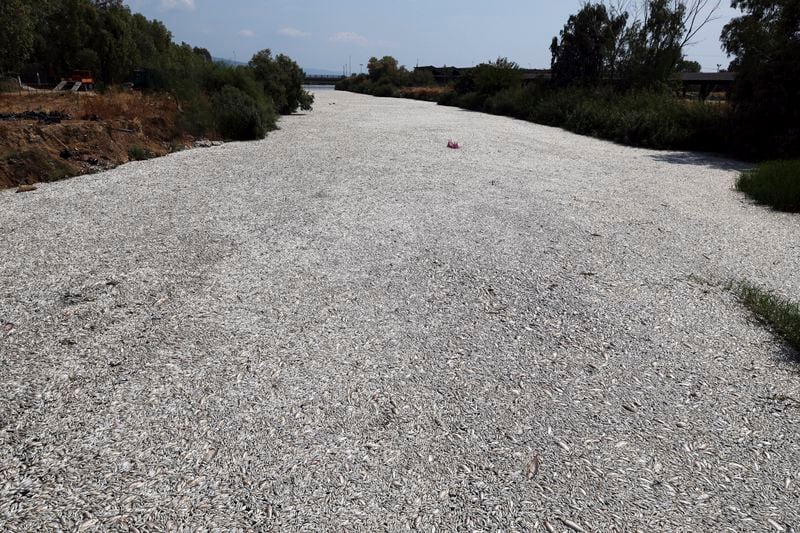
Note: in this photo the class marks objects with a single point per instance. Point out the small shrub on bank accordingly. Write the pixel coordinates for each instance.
(511, 103)
(238, 116)
(774, 183)
(137, 153)
(781, 315)
(362, 84)
(385, 90)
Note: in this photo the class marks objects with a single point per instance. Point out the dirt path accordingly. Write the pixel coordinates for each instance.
(348, 327)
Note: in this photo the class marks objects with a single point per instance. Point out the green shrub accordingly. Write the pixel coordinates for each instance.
(362, 84)
(137, 153)
(516, 102)
(421, 78)
(449, 99)
(775, 183)
(385, 90)
(652, 119)
(238, 116)
(282, 80)
(491, 78)
(196, 117)
(472, 101)
(355, 84)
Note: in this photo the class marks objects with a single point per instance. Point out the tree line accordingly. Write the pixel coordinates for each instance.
(51, 38)
(614, 73)
(638, 44)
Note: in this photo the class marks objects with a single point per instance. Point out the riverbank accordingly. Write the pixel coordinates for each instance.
(48, 136)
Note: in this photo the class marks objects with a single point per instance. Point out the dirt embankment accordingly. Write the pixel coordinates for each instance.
(51, 136)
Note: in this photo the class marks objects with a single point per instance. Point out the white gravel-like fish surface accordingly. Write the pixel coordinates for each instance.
(350, 327)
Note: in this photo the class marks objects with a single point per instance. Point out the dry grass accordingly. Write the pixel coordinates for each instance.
(112, 106)
(431, 94)
(130, 106)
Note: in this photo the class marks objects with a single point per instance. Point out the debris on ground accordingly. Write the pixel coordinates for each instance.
(206, 143)
(53, 117)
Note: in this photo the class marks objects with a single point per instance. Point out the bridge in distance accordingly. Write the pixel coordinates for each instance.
(323, 79)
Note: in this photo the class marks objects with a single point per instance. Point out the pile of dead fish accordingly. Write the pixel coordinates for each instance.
(53, 117)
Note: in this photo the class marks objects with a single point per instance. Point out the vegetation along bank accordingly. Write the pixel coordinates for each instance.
(148, 95)
(615, 74)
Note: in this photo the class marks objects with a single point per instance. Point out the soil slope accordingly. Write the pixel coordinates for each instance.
(96, 133)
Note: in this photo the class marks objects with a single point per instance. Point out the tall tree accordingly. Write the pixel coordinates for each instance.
(655, 43)
(17, 30)
(659, 32)
(114, 43)
(640, 41)
(282, 80)
(765, 45)
(590, 46)
(387, 68)
(687, 65)
(69, 27)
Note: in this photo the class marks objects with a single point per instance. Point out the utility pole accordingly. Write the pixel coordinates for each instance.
(350, 64)
(361, 68)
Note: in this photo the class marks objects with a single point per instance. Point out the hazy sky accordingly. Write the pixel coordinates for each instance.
(326, 33)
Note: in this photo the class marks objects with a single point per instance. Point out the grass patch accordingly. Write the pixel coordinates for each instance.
(781, 315)
(774, 183)
(137, 153)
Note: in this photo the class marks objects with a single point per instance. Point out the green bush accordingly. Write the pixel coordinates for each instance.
(362, 84)
(238, 116)
(137, 153)
(449, 99)
(118, 45)
(516, 102)
(356, 84)
(197, 117)
(282, 80)
(421, 78)
(472, 101)
(651, 119)
(385, 90)
(774, 183)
